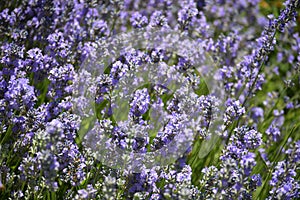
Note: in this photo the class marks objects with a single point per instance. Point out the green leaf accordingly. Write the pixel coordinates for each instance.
(85, 126)
(201, 88)
(99, 107)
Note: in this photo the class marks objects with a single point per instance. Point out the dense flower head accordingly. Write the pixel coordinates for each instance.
(140, 102)
(20, 94)
(138, 20)
(233, 111)
(283, 182)
(248, 137)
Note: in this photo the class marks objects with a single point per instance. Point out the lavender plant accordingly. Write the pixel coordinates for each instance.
(153, 99)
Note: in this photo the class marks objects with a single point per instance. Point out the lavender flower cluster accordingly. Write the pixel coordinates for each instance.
(221, 120)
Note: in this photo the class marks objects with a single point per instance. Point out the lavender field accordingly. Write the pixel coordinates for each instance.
(150, 99)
